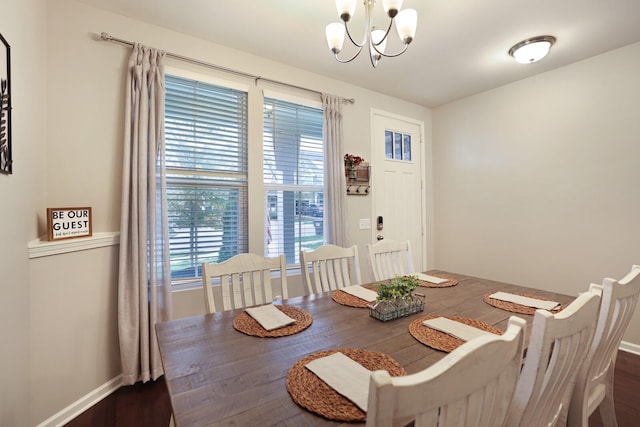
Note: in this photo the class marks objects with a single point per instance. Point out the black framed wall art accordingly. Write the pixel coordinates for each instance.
(6, 162)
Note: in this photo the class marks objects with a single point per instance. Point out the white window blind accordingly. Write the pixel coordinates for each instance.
(206, 165)
(293, 178)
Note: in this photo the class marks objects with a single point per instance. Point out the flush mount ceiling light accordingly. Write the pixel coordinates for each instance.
(376, 40)
(532, 50)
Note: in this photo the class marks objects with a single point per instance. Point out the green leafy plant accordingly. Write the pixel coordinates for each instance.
(398, 287)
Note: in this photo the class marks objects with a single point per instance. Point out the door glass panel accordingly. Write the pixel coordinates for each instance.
(407, 147)
(388, 144)
(397, 148)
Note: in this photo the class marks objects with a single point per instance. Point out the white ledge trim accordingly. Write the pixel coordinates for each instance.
(42, 247)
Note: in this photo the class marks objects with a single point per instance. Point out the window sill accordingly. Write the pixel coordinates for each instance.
(186, 285)
(42, 247)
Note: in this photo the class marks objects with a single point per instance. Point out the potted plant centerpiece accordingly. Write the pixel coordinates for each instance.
(397, 299)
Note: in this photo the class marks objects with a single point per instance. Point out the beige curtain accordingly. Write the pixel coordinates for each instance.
(335, 187)
(144, 282)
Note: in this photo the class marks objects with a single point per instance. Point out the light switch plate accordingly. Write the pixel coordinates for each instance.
(365, 223)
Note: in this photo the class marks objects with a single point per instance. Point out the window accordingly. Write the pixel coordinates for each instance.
(206, 164)
(397, 145)
(293, 168)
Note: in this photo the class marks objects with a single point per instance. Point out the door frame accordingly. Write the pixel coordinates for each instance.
(426, 185)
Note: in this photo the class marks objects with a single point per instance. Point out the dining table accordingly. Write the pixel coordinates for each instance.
(218, 375)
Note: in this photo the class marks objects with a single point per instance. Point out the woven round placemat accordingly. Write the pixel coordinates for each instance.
(440, 340)
(250, 326)
(313, 394)
(450, 282)
(349, 300)
(518, 308)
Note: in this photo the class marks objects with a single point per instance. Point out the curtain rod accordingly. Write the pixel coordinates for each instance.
(107, 37)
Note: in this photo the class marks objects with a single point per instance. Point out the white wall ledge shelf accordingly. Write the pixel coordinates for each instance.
(42, 247)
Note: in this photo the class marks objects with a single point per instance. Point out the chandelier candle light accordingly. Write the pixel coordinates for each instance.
(405, 23)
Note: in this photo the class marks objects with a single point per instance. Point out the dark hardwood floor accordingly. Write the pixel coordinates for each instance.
(136, 405)
(148, 404)
(626, 392)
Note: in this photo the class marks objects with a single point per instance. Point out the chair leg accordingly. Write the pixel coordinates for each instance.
(608, 413)
(577, 416)
(607, 406)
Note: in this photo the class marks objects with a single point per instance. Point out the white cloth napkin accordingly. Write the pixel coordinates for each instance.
(457, 329)
(431, 279)
(529, 302)
(361, 292)
(344, 375)
(269, 317)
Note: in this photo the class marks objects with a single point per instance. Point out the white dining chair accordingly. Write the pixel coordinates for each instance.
(330, 267)
(594, 385)
(474, 382)
(244, 280)
(389, 259)
(555, 354)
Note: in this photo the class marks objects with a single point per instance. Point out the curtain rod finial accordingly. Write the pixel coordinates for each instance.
(105, 36)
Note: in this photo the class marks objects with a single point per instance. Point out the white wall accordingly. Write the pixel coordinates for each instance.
(22, 25)
(536, 183)
(85, 87)
(74, 327)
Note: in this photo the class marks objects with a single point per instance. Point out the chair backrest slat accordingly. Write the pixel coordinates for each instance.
(263, 294)
(244, 280)
(330, 267)
(389, 259)
(237, 291)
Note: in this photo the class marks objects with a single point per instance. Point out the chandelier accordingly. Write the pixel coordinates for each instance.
(376, 39)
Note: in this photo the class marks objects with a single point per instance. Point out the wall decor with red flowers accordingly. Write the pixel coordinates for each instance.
(356, 172)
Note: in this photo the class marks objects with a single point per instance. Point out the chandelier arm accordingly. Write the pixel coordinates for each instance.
(392, 55)
(360, 45)
(344, 61)
(375, 45)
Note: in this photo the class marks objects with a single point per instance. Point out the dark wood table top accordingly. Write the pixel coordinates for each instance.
(216, 375)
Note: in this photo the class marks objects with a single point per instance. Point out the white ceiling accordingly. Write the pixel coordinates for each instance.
(460, 47)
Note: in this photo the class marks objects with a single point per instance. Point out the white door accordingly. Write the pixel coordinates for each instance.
(397, 182)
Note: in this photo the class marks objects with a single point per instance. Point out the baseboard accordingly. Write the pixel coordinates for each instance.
(82, 404)
(630, 347)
